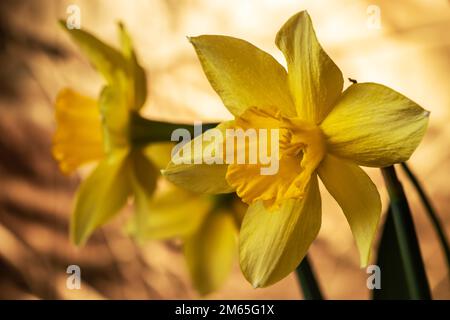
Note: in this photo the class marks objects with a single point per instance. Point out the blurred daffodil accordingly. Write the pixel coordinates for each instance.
(325, 132)
(207, 225)
(110, 131)
(126, 146)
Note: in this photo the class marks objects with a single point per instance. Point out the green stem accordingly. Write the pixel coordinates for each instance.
(145, 131)
(432, 215)
(307, 280)
(407, 240)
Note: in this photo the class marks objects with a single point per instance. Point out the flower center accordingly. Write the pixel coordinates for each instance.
(301, 149)
(305, 141)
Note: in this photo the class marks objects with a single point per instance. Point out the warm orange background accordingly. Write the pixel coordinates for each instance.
(410, 53)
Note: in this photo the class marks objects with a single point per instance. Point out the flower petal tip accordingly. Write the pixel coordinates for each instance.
(364, 262)
(191, 39)
(77, 241)
(304, 12)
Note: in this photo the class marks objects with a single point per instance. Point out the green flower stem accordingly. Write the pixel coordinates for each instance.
(430, 212)
(407, 240)
(144, 131)
(307, 280)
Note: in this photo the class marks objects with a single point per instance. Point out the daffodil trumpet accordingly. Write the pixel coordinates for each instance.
(325, 133)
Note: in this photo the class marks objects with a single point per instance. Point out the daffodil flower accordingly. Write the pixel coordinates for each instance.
(109, 131)
(326, 133)
(207, 225)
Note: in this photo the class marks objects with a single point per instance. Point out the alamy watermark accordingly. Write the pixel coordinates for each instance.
(73, 281)
(228, 146)
(374, 280)
(373, 21)
(73, 20)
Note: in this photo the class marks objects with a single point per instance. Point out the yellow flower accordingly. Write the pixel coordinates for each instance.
(108, 131)
(324, 132)
(207, 225)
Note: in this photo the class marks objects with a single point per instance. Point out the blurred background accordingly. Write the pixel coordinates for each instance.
(403, 44)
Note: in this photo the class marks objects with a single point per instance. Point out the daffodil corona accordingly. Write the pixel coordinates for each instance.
(325, 133)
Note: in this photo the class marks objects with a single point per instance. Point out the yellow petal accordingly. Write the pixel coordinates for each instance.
(162, 218)
(211, 250)
(374, 126)
(272, 243)
(190, 170)
(314, 79)
(107, 60)
(113, 107)
(159, 153)
(78, 136)
(201, 178)
(143, 176)
(142, 171)
(243, 75)
(100, 196)
(358, 198)
(126, 81)
(138, 77)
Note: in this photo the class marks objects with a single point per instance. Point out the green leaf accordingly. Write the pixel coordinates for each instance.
(409, 250)
(308, 281)
(431, 213)
(393, 280)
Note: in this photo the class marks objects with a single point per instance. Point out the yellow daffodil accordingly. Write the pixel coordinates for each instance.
(109, 131)
(324, 132)
(207, 225)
